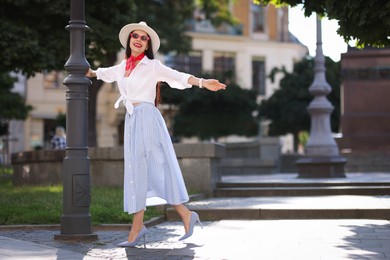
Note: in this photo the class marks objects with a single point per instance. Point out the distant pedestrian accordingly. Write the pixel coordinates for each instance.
(58, 142)
(152, 174)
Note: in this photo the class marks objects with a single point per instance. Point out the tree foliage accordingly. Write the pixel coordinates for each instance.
(12, 104)
(367, 22)
(33, 36)
(287, 107)
(205, 114)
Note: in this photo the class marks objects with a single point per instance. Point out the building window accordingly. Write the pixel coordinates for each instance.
(53, 79)
(370, 73)
(49, 130)
(384, 73)
(191, 63)
(258, 18)
(258, 75)
(224, 62)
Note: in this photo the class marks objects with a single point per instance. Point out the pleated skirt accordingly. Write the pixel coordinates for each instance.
(152, 175)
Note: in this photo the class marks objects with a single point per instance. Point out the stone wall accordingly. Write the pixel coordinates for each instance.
(198, 162)
(37, 167)
(261, 156)
(356, 162)
(367, 162)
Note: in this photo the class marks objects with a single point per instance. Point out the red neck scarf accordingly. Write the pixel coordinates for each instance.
(130, 63)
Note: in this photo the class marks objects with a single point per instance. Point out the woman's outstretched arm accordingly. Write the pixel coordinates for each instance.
(210, 84)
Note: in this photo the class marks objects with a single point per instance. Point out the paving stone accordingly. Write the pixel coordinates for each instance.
(227, 239)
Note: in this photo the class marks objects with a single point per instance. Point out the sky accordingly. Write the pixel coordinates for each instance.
(304, 28)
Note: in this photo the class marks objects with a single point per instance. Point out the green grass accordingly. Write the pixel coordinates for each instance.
(43, 205)
(6, 170)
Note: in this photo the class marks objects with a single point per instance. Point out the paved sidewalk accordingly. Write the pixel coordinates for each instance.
(234, 239)
(226, 239)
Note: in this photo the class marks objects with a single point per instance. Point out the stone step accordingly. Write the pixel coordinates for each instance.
(300, 191)
(314, 207)
(298, 184)
(276, 214)
(247, 166)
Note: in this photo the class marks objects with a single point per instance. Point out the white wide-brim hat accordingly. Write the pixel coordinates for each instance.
(127, 29)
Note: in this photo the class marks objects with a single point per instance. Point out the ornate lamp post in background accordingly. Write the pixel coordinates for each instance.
(76, 219)
(322, 158)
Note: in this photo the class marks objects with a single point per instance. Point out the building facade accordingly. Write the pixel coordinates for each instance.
(365, 112)
(251, 49)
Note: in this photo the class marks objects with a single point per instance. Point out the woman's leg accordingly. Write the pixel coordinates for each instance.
(138, 223)
(185, 215)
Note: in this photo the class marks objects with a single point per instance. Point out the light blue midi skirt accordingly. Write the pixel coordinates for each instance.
(152, 175)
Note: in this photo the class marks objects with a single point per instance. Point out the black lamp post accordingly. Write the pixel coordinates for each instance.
(76, 219)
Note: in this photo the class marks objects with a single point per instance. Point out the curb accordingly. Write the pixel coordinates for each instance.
(104, 227)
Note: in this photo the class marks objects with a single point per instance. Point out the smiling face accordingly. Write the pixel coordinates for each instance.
(138, 42)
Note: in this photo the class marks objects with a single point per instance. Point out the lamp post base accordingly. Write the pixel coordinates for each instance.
(321, 167)
(76, 227)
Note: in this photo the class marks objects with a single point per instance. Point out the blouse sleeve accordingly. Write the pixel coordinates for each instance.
(110, 74)
(174, 78)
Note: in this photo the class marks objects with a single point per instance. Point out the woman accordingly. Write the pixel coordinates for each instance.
(58, 141)
(152, 173)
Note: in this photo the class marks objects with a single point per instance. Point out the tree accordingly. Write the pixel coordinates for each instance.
(33, 39)
(60, 120)
(366, 21)
(12, 104)
(207, 114)
(287, 107)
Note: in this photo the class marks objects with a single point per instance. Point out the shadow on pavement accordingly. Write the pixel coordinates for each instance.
(373, 239)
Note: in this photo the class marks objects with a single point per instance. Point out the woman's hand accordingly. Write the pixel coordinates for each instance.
(90, 73)
(213, 84)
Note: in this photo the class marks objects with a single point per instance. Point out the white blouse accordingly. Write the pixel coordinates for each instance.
(140, 86)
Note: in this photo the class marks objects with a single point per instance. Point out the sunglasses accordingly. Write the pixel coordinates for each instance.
(136, 36)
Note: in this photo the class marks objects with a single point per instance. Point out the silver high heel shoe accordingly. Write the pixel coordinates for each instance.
(194, 218)
(142, 233)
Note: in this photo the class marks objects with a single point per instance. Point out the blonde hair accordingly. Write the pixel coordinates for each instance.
(60, 131)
